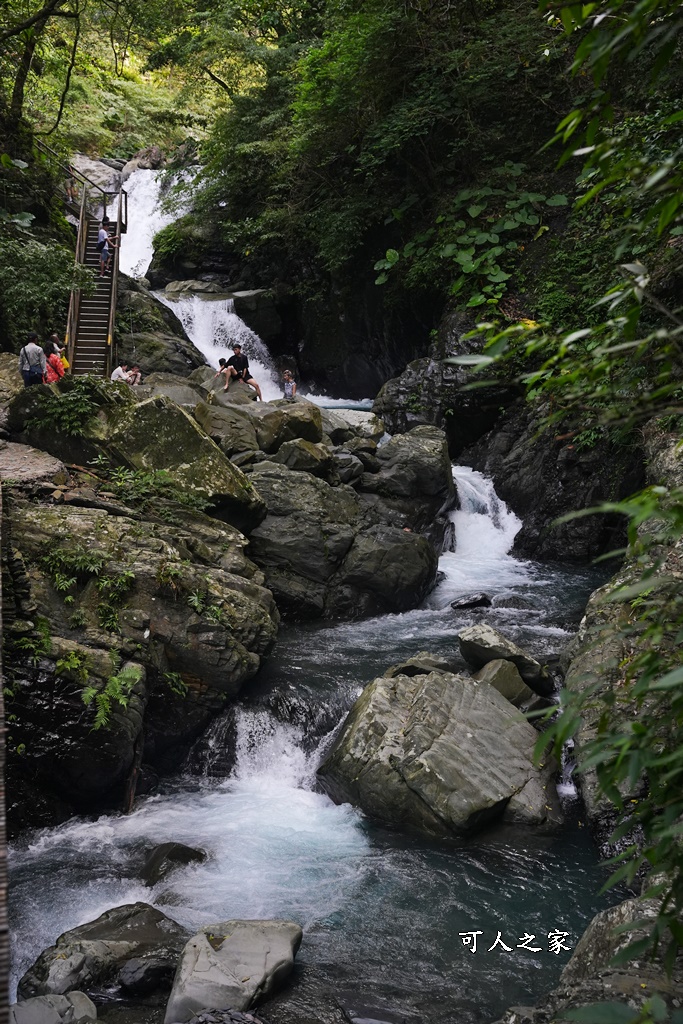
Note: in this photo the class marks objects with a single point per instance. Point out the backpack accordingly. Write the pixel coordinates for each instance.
(101, 245)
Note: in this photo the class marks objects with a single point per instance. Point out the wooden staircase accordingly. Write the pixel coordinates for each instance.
(92, 343)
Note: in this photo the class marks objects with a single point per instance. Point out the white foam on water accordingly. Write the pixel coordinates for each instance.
(146, 216)
(276, 849)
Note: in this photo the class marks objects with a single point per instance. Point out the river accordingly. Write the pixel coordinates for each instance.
(386, 916)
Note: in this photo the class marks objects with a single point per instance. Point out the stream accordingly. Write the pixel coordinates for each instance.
(386, 916)
(382, 912)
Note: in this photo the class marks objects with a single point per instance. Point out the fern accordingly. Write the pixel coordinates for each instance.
(117, 690)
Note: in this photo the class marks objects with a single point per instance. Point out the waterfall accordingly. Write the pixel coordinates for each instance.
(146, 216)
(213, 327)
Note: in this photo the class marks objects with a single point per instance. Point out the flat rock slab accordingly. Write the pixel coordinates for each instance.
(73, 1008)
(231, 965)
(24, 464)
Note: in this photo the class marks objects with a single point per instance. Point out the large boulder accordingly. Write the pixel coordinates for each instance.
(150, 334)
(504, 677)
(96, 957)
(233, 964)
(230, 426)
(482, 643)
(157, 434)
(179, 389)
(152, 435)
(320, 557)
(73, 1008)
(282, 420)
(415, 480)
(386, 568)
(304, 457)
(178, 599)
(259, 313)
(441, 754)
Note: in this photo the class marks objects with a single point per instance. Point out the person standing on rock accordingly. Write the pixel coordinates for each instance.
(289, 385)
(32, 361)
(54, 368)
(238, 367)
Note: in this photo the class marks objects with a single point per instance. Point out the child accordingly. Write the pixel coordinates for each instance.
(289, 385)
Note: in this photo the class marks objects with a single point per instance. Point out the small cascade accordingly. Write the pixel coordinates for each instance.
(213, 327)
(146, 216)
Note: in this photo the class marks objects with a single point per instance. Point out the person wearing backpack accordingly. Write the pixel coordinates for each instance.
(32, 361)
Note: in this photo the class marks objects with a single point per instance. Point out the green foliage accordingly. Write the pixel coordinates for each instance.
(75, 665)
(476, 240)
(113, 591)
(71, 410)
(36, 279)
(117, 690)
(623, 369)
(144, 488)
(35, 646)
(175, 683)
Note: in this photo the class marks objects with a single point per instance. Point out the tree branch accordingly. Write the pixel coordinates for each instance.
(67, 81)
(48, 11)
(219, 81)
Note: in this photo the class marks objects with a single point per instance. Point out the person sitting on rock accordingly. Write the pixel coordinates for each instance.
(135, 375)
(54, 368)
(121, 373)
(238, 367)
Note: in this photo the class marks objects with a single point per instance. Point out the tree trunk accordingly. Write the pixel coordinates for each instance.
(4, 929)
(17, 101)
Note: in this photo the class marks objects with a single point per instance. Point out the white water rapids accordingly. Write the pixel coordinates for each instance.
(381, 912)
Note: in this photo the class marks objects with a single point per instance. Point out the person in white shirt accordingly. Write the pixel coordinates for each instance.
(121, 373)
(32, 361)
(105, 243)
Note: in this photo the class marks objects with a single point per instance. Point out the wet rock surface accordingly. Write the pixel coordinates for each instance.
(168, 857)
(232, 965)
(150, 334)
(73, 1008)
(110, 953)
(482, 643)
(441, 754)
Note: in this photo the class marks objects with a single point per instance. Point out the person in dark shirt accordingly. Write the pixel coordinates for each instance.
(238, 367)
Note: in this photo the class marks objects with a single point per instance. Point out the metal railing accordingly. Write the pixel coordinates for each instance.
(75, 298)
(87, 183)
(111, 346)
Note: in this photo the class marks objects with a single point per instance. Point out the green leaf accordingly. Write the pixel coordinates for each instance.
(474, 210)
(602, 1013)
(558, 200)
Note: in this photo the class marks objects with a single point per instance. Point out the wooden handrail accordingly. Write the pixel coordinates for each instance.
(75, 298)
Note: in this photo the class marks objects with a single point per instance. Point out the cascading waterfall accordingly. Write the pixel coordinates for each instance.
(213, 327)
(371, 900)
(146, 216)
